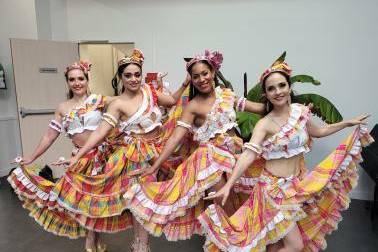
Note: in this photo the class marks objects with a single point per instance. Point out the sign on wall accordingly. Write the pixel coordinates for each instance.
(2, 78)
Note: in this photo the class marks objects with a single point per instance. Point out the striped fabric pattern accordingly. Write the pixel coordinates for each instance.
(276, 204)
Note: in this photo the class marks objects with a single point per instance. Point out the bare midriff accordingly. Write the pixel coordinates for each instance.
(285, 167)
(79, 139)
(149, 136)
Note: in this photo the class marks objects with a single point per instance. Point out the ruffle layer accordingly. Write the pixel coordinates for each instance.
(160, 203)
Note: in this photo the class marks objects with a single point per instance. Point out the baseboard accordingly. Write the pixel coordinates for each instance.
(361, 195)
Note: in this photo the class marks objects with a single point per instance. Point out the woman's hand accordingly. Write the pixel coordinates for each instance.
(22, 160)
(73, 161)
(144, 172)
(357, 120)
(160, 77)
(187, 80)
(223, 193)
(61, 162)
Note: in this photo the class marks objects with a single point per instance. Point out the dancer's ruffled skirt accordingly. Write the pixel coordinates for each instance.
(86, 197)
(277, 204)
(172, 206)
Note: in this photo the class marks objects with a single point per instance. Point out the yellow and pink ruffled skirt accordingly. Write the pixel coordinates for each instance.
(172, 206)
(80, 200)
(277, 204)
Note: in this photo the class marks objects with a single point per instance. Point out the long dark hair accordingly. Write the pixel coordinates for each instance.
(117, 77)
(70, 93)
(265, 100)
(193, 91)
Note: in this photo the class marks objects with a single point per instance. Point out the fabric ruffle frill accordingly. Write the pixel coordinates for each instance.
(172, 206)
(276, 204)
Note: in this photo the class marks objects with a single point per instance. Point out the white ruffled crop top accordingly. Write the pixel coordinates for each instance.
(221, 117)
(147, 117)
(292, 139)
(85, 117)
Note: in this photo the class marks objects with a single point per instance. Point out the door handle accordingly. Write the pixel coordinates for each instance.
(26, 112)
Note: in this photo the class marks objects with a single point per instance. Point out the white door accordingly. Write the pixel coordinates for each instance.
(40, 86)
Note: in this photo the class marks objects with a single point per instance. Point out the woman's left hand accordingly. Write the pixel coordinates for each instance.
(223, 193)
(357, 120)
(144, 172)
(73, 161)
(61, 161)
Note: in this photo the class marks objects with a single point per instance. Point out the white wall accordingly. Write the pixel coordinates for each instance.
(17, 20)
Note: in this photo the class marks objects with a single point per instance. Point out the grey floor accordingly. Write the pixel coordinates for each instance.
(19, 232)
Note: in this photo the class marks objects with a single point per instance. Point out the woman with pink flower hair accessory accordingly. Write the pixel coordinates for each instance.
(172, 206)
(77, 117)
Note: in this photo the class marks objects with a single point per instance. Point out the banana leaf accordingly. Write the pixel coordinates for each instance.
(302, 78)
(323, 108)
(255, 93)
(246, 122)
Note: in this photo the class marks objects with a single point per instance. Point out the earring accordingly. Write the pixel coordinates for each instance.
(89, 91)
(267, 106)
(289, 100)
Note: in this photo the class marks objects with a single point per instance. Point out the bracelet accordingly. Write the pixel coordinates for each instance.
(253, 147)
(55, 125)
(184, 124)
(110, 119)
(240, 105)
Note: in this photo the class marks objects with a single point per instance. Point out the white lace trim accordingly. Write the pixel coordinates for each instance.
(25, 181)
(210, 127)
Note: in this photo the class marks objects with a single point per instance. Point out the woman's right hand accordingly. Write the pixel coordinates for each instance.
(187, 80)
(22, 160)
(223, 193)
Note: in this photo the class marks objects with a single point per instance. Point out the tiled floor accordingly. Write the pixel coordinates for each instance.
(18, 232)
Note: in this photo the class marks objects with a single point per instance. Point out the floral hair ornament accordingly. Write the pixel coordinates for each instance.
(278, 66)
(83, 65)
(215, 59)
(136, 57)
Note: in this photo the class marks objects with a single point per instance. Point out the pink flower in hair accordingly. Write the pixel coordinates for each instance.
(213, 58)
(86, 65)
(216, 58)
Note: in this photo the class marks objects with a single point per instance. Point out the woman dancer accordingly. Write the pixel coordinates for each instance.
(172, 206)
(136, 116)
(78, 117)
(286, 204)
